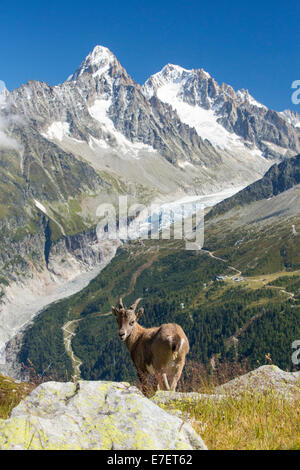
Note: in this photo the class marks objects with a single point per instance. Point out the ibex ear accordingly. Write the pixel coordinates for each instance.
(115, 311)
(139, 313)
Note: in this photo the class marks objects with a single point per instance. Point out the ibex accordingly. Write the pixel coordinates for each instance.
(159, 351)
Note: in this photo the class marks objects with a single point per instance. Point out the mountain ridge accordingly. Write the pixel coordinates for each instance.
(238, 112)
(279, 178)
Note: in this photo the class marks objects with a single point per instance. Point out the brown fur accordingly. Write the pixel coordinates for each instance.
(159, 351)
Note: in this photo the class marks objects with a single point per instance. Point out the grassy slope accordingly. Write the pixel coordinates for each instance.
(255, 248)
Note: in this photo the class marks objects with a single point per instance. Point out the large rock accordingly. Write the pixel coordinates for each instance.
(265, 379)
(93, 415)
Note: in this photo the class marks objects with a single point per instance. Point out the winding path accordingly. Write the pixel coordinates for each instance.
(68, 333)
(211, 254)
(239, 273)
(290, 294)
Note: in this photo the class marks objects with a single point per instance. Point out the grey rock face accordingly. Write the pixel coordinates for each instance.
(265, 379)
(96, 135)
(94, 415)
(100, 119)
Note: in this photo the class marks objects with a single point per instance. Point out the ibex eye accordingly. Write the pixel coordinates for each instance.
(131, 323)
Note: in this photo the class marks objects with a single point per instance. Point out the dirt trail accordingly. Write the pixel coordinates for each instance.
(290, 294)
(239, 273)
(67, 329)
(246, 325)
(211, 254)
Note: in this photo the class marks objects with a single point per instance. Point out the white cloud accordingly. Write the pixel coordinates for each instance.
(2, 86)
(6, 118)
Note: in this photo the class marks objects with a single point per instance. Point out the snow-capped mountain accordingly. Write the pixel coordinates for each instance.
(102, 116)
(225, 117)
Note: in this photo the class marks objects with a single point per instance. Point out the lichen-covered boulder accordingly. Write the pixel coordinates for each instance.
(265, 379)
(93, 415)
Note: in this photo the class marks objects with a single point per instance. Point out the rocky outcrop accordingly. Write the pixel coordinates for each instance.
(94, 415)
(265, 379)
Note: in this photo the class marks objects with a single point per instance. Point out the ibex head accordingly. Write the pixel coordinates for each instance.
(126, 318)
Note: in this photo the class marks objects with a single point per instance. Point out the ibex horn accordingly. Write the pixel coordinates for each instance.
(133, 306)
(121, 303)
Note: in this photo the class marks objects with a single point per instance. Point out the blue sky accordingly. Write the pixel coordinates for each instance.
(253, 45)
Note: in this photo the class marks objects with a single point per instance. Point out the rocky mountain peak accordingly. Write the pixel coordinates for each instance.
(98, 62)
(172, 71)
(173, 75)
(3, 95)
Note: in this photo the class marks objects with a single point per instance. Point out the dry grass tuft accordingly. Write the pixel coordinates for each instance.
(251, 421)
(11, 393)
(202, 378)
